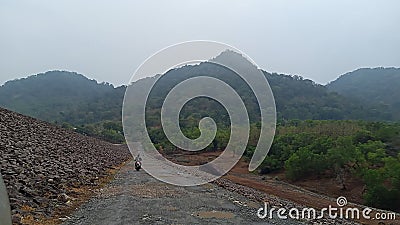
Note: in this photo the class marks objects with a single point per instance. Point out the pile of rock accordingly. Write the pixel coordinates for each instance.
(41, 163)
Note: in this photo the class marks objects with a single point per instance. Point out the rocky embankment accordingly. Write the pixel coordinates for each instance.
(41, 164)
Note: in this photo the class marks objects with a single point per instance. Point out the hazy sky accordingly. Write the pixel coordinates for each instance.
(108, 40)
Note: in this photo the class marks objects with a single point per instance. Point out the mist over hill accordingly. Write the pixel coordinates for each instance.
(69, 97)
(374, 86)
(62, 96)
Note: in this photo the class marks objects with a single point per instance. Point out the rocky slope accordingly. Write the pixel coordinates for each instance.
(41, 164)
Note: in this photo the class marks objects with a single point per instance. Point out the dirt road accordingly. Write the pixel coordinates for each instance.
(137, 198)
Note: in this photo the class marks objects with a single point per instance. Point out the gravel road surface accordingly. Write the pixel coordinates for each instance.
(137, 198)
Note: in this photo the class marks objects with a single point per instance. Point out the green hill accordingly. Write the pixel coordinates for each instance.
(61, 96)
(378, 87)
(295, 97)
(68, 97)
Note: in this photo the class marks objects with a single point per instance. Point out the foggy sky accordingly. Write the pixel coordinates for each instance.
(108, 40)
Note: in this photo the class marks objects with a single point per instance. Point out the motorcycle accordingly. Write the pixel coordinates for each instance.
(138, 165)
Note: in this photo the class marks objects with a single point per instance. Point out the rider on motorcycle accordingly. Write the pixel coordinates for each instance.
(138, 158)
(138, 162)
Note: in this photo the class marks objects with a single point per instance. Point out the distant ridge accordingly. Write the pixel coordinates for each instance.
(372, 86)
(62, 96)
(69, 97)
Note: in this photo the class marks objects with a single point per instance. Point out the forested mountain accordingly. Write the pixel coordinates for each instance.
(61, 96)
(378, 87)
(295, 97)
(68, 97)
(298, 98)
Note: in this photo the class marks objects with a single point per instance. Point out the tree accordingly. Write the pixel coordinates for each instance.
(344, 158)
(304, 163)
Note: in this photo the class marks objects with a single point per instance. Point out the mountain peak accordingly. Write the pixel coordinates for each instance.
(230, 57)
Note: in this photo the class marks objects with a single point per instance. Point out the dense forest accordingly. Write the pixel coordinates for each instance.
(68, 97)
(61, 96)
(378, 87)
(72, 100)
(347, 128)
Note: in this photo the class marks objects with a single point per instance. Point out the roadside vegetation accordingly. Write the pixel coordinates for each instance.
(325, 149)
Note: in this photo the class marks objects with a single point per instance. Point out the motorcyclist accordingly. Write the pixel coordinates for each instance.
(138, 162)
(138, 158)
